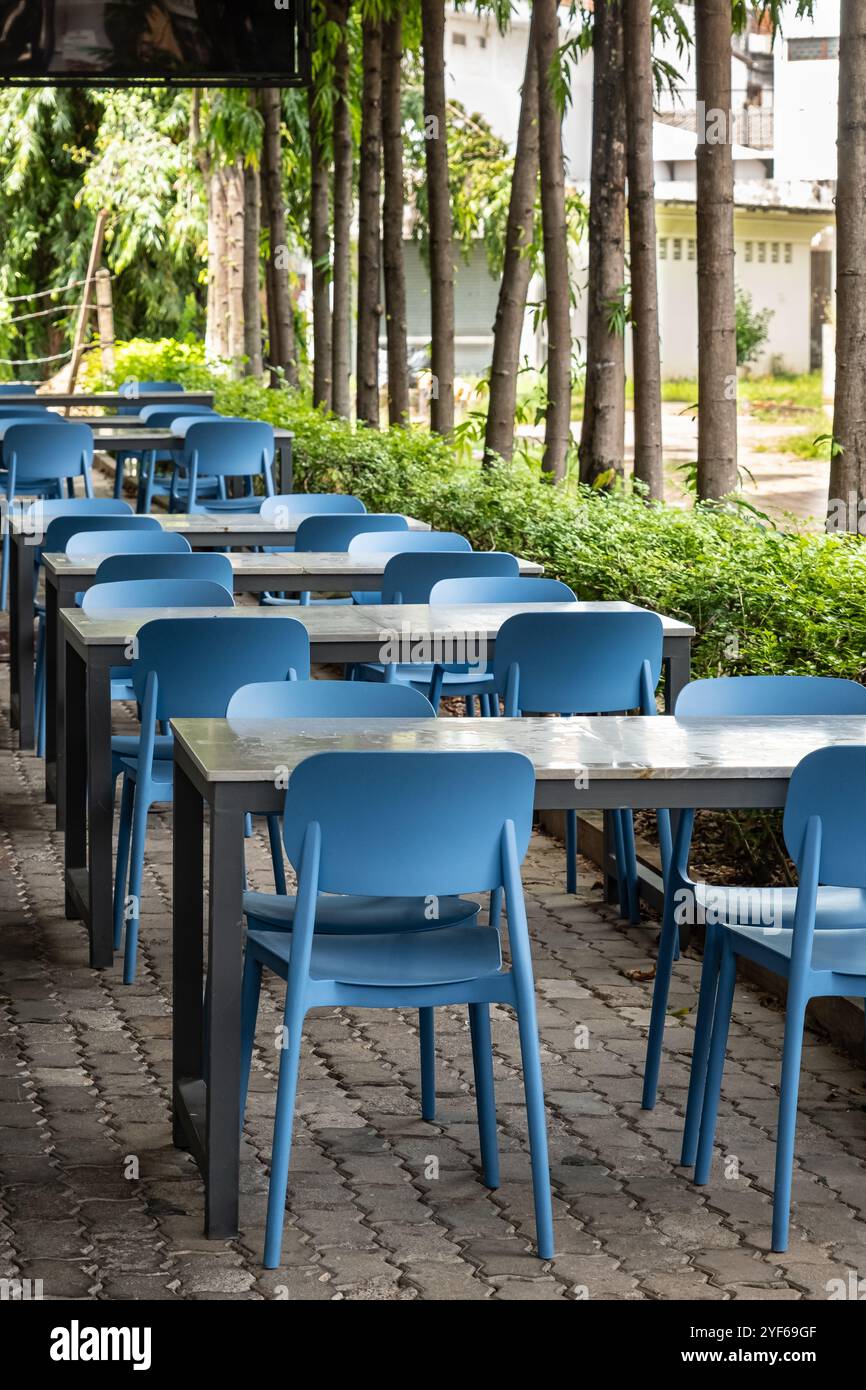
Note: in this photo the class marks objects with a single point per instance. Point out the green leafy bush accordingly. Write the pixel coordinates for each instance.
(753, 328)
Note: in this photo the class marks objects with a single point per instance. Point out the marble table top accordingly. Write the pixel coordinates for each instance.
(289, 563)
(344, 623)
(610, 747)
(243, 527)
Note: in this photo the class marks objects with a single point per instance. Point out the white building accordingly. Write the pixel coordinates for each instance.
(784, 104)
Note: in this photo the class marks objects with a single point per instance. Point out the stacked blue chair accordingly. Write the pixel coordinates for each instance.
(586, 663)
(36, 458)
(226, 449)
(409, 578)
(824, 830)
(322, 699)
(744, 697)
(427, 837)
(186, 668)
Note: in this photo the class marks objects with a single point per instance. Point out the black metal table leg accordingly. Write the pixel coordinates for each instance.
(222, 1061)
(187, 956)
(100, 807)
(22, 652)
(75, 839)
(677, 664)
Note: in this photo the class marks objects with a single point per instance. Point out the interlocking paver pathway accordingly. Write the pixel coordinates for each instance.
(96, 1203)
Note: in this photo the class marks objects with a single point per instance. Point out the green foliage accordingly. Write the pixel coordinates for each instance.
(753, 328)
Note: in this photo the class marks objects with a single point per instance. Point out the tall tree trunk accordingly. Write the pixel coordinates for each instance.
(341, 361)
(648, 458)
(516, 269)
(281, 323)
(848, 467)
(557, 429)
(369, 234)
(717, 335)
(393, 265)
(216, 336)
(320, 252)
(252, 290)
(602, 434)
(233, 175)
(439, 204)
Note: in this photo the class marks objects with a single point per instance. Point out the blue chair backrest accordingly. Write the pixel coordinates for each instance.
(335, 532)
(200, 564)
(289, 505)
(157, 593)
(381, 543)
(60, 531)
(437, 827)
(81, 506)
(329, 700)
(519, 590)
(42, 450)
(829, 783)
(144, 386)
(409, 578)
(770, 695)
(27, 413)
(229, 448)
(160, 417)
(578, 662)
(200, 665)
(16, 388)
(127, 542)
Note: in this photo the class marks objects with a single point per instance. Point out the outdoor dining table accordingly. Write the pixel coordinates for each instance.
(136, 437)
(94, 645)
(110, 400)
(231, 766)
(203, 533)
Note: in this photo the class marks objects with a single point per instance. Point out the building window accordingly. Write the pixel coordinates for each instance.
(663, 248)
(750, 252)
(459, 40)
(692, 249)
(774, 253)
(678, 248)
(482, 41)
(789, 253)
(812, 49)
(762, 252)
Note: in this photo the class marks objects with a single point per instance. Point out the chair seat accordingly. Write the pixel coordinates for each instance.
(837, 907)
(123, 690)
(351, 914)
(274, 601)
(837, 952)
(420, 674)
(389, 958)
(127, 746)
(162, 772)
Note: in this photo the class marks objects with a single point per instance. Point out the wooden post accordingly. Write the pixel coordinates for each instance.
(105, 317)
(81, 326)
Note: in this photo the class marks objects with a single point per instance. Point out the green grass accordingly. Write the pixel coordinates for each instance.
(769, 397)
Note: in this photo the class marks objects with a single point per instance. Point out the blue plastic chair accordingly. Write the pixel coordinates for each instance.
(225, 449)
(824, 830)
(16, 388)
(127, 542)
(25, 413)
(197, 564)
(334, 532)
(46, 511)
(501, 590)
(752, 697)
(136, 408)
(321, 699)
(150, 482)
(427, 838)
(286, 509)
(409, 578)
(36, 459)
(408, 542)
(156, 593)
(185, 668)
(586, 663)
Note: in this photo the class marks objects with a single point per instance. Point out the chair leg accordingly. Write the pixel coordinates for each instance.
(141, 806)
(571, 851)
(658, 1013)
(701, 1047)
(470, 706)
(276, 842)
(248, 826)
(39, 689)
(485, 1098)
(537, 1124)
(495, 910)
(4, 579)
(630, 867)
(121, 876)
(795, 1019)
(119, 464)
(715, 1067)
(427, 1041)
(250, 991)
(287, 1090)
(619, 855)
